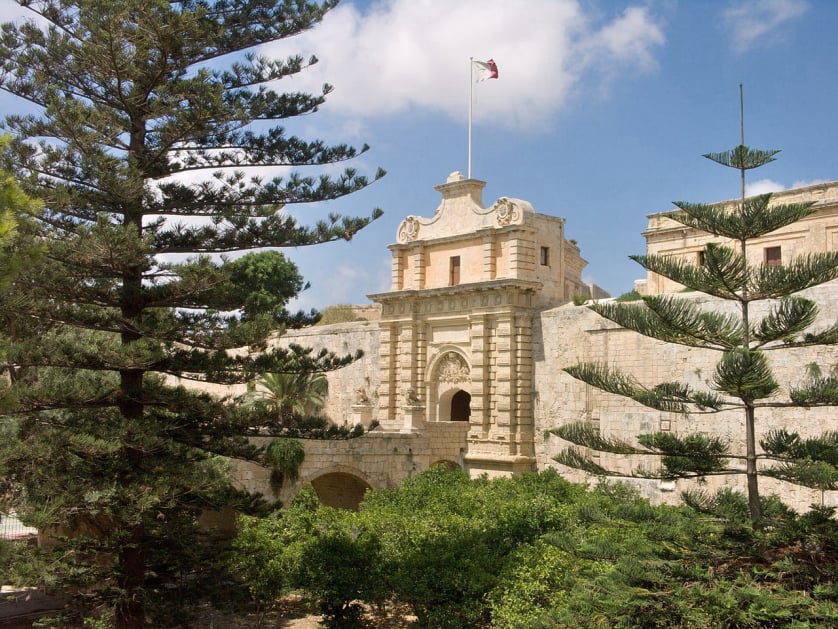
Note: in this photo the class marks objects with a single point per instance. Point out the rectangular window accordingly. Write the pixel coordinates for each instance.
(773, 256)
(454, 272)
(699, 258)
(545, 256)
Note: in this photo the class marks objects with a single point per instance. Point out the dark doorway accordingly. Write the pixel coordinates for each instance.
(460, 407)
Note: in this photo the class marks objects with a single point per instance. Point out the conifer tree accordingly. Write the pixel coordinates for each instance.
(743, 377)
(15, 206)
(147, 129)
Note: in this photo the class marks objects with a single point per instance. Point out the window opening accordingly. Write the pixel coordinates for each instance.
(773, 256)
(545, 256)
(454, 273)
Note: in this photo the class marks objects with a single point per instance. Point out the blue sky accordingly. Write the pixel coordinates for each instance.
(600, 115)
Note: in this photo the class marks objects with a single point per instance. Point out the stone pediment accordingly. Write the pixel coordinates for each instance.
(461, 212)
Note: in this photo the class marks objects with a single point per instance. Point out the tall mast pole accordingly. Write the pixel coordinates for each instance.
(470, 101)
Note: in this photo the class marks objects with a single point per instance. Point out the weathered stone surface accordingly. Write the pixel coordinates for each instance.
(503, 333)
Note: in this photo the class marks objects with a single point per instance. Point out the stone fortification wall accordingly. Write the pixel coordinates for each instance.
(571, 334)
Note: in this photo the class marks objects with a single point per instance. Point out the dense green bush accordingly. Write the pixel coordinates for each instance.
(446, 539)
(268, 553)
(536, 551)
(341, 567)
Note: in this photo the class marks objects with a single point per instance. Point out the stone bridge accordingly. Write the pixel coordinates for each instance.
(342, 470)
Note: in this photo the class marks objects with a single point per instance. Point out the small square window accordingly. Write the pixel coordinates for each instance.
(454, 271)
(773, 256)
(545, 256)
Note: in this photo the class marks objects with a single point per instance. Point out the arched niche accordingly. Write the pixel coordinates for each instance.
(449, 384)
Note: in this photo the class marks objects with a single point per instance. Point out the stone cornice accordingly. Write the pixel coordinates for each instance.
(456, 291)
(493, 296)
(506, 229)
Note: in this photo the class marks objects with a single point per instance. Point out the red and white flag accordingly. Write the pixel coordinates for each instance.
(484, 70)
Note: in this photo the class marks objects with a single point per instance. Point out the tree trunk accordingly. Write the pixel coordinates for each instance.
(130, 610)
(754, 505)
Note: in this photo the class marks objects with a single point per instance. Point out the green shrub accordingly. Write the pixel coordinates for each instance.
(268, 553)
(632, 295)
(341, 567)
(536, 551)
(534, 581)
(340, 313)
(285, 456)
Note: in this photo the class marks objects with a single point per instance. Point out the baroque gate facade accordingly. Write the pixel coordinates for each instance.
(456, 327)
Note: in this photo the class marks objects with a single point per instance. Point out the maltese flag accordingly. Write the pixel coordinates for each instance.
(484, 70)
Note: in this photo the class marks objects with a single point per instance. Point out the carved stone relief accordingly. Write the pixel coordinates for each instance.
(452, 368)
(408, 230)
(507, 211)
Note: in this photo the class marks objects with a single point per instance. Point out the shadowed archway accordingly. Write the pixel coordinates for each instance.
(460, 406)
(340, 490)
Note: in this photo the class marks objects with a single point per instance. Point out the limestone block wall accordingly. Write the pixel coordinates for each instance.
(560, 337)
(571, 334)
(378, 459)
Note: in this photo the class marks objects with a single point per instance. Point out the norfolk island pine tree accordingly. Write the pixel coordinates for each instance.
(743, 378)
(129, 96)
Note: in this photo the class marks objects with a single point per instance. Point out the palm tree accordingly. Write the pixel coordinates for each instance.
(291, 394)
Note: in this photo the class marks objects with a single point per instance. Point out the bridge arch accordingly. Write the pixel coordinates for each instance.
(339, 486)
(447, 464)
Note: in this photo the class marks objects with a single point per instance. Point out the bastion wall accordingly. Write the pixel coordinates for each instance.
(571, 334)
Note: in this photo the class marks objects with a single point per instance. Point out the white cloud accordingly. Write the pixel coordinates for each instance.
(763, 186)
(751, 21)
(332, 285)
(403, 54)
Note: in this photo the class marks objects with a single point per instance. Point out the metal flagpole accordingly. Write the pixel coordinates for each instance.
(470, 100)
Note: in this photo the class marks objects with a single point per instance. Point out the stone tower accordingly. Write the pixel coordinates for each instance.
(456, 341)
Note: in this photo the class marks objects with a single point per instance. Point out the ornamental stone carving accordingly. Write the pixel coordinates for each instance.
(409, 229)
(452, 368)
(361, 396)
(507, 212)
(412, 397)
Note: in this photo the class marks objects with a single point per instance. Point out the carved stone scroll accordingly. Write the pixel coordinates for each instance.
(506, 211)
(409, 229)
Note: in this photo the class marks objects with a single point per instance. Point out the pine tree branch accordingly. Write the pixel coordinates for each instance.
(672, 397)
(583, 434)
(751, 218)
(786, 319)
(572, 457)
(798, 274)
(724, 272)
(674, 320)
(743, 157)
(745, 374)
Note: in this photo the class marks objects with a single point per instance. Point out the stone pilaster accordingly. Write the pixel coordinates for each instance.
(397, 273)
(480, 398)
(418, 279)
(523, 435)
(388, 351)
(489, 257)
